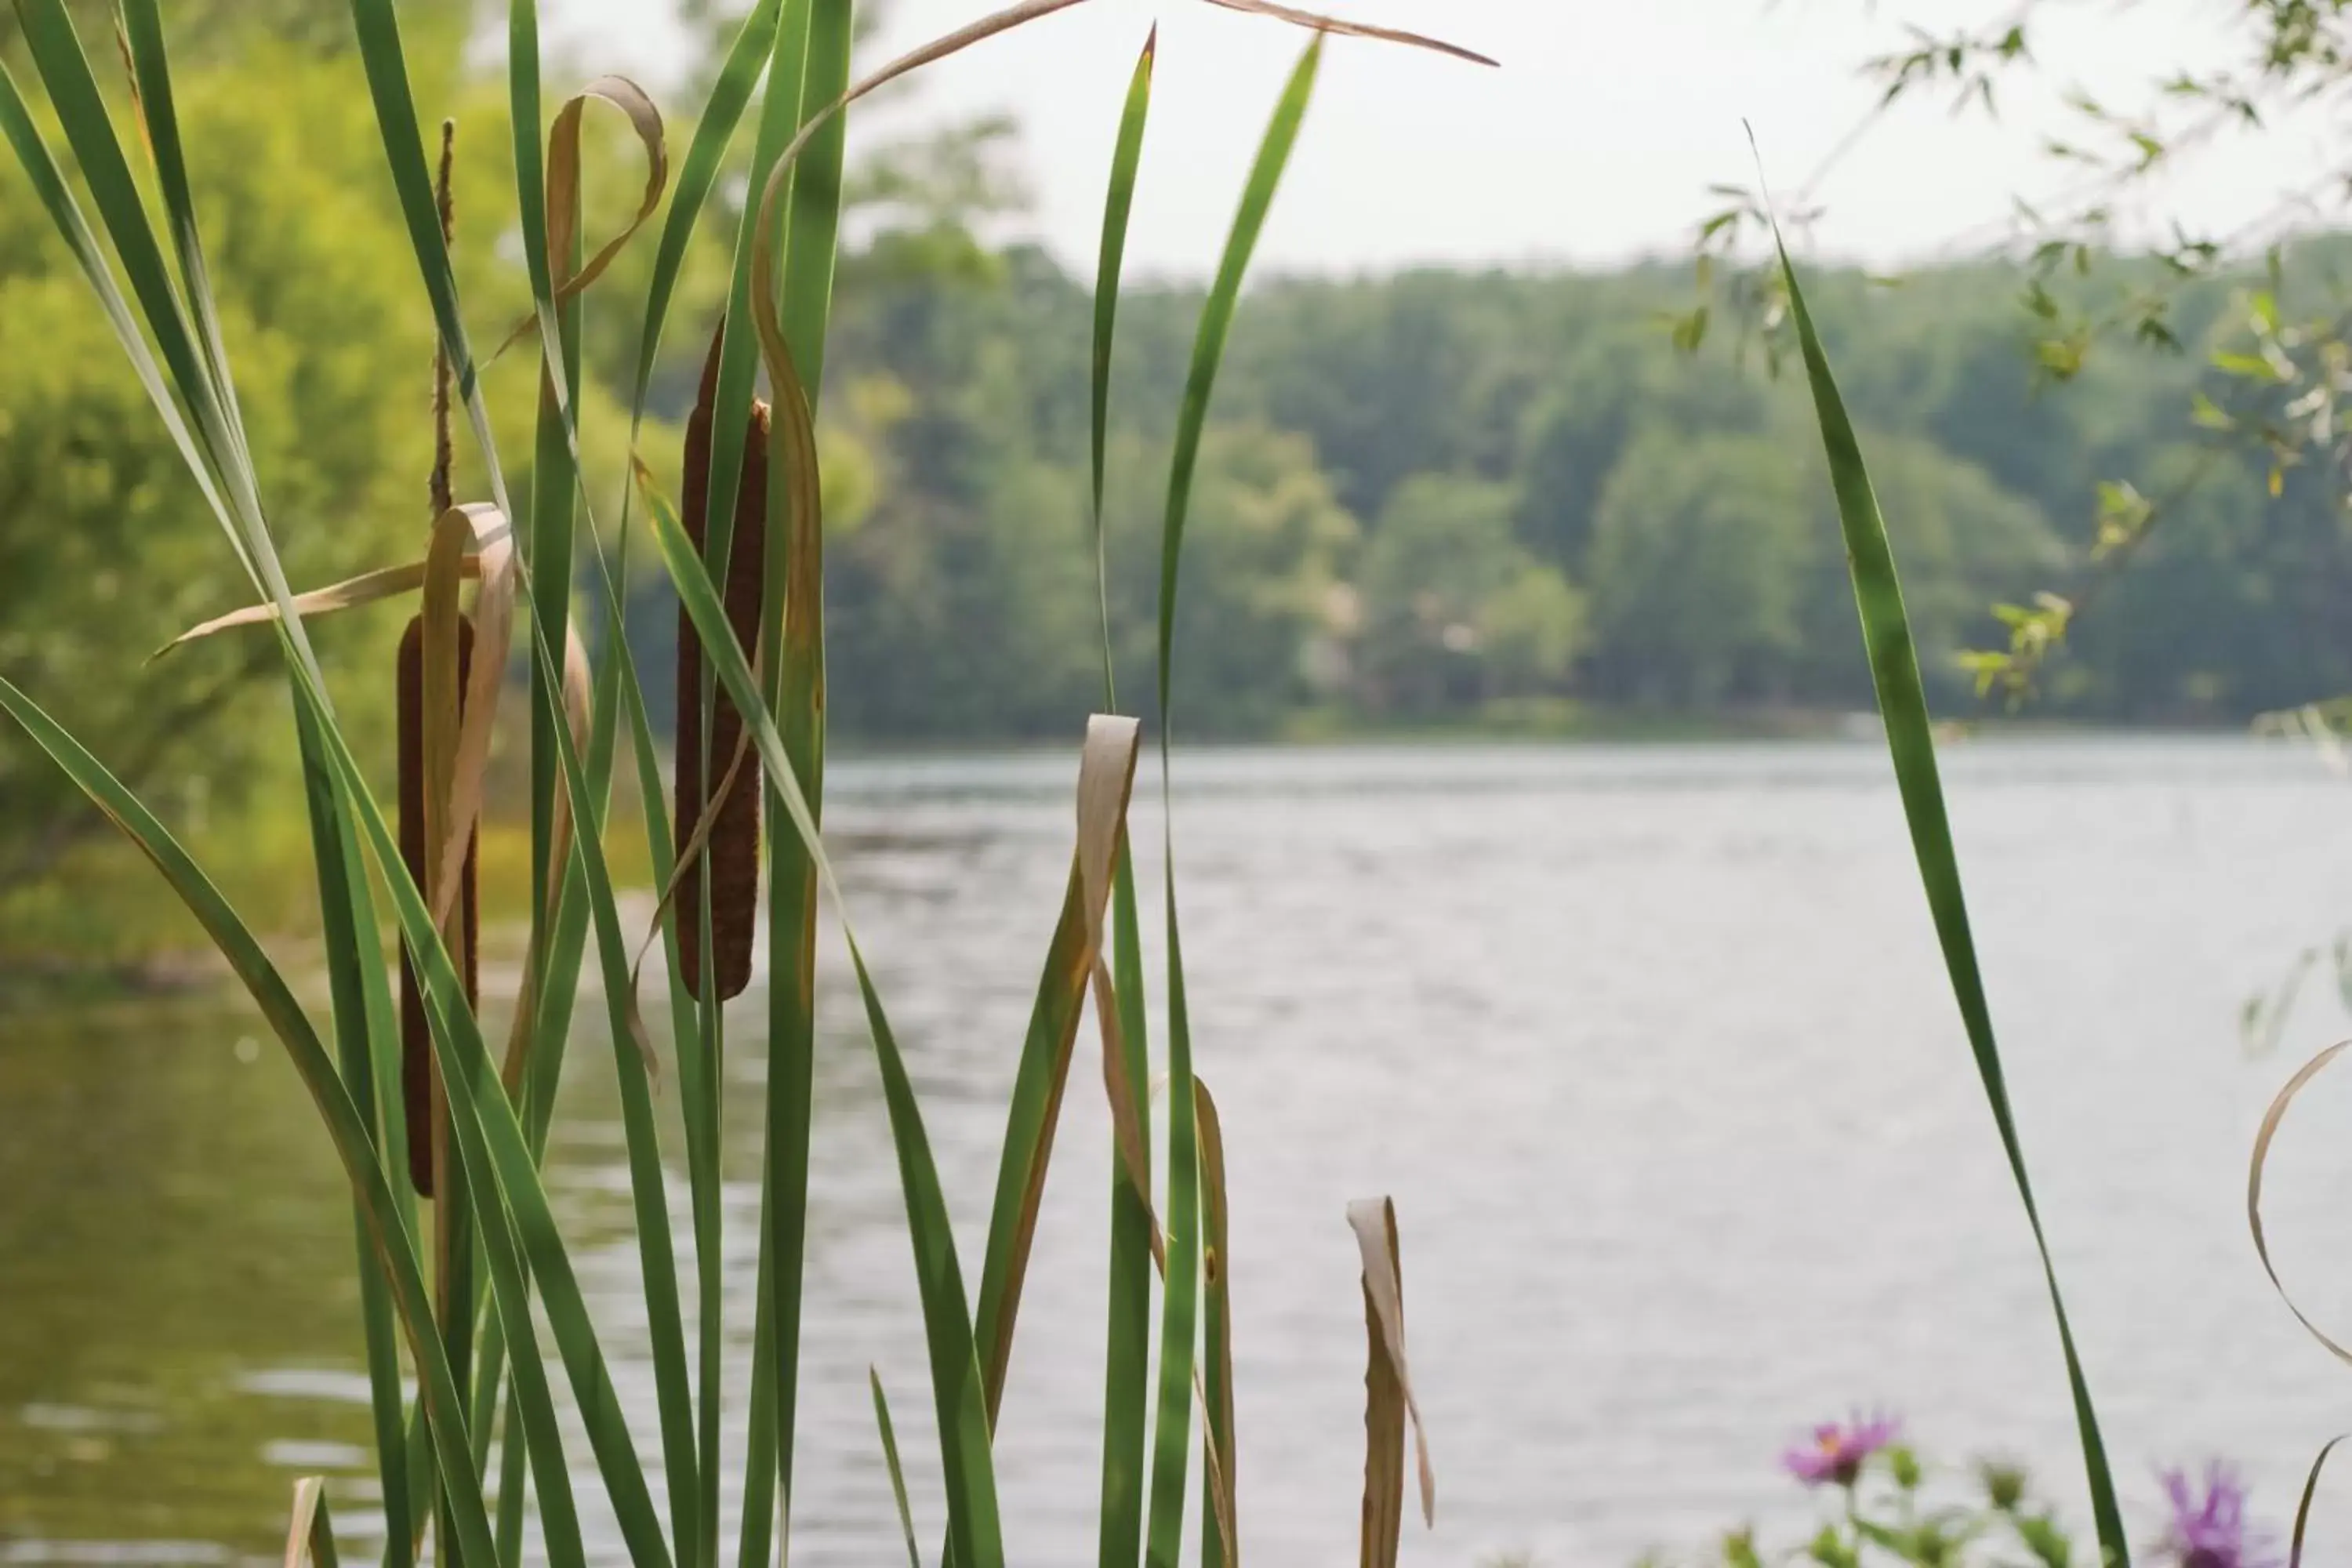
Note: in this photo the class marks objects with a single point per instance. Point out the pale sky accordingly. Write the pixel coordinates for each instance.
(1595, 142)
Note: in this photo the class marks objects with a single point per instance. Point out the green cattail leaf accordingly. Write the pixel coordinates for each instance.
(898, 1473)
(1910, 739)
(1119, 206)
(1127, 1370)
(1180, 1306)
(792, 625)
(1220, 1502)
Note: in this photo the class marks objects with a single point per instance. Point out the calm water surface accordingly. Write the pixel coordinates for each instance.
(1652, 1045)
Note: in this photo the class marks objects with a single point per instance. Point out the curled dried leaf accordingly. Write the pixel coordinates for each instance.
(564, 160)
(2262, 1137)
(1335, 26)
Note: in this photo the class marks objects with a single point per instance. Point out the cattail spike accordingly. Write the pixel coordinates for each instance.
(734, 842)
(416, 1033)
(440, 488)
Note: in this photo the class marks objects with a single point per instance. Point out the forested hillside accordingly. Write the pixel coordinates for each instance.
(1447, 498)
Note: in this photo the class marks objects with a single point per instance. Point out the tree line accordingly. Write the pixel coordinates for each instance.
(1452, 499)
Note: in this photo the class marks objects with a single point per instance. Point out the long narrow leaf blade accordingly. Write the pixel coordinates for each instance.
(897, 1472)
(1902, 704)
(1127, 1356)
(1118, 206)
(1171, 1436)
(1221, 1508)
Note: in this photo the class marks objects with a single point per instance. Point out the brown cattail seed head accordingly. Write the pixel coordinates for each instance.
(415, 1034)
(734, 842)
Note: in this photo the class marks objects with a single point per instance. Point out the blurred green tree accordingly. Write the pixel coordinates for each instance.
(106, 549)
(1455, 611)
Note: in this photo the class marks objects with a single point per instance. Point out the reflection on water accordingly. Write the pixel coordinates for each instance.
(1652, 1045)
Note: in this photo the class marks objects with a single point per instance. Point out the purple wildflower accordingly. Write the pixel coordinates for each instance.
(2209, 1531)
(1836, 1453)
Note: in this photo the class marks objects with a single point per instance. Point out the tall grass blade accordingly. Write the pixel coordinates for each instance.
(897, 1472)
(1902, 704)
(513, 1469)
(1127, 1358)
(1118, 206)
(795, 308)
(722, 112)
(775, 1364)
(1127, 1369)
(1172, 1437)
(1179, 1301)
(1221, 1508)
(142, 35)
(549, 196)
(1209, 350)
(2310, 1490)
(813, 230)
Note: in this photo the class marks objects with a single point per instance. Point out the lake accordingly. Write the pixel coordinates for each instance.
(1652, 1044)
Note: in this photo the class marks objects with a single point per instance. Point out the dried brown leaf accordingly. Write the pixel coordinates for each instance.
(1333, 25)
(1106, 785)
(494, 607)
(563, 159)
(2269, 1130)
(308, 1522)
(1388, 1388)
(367, 588)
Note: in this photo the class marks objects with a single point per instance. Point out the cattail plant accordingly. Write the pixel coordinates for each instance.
(416, 1070)
(416, 852)
(472, 1360)
(733, 831)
